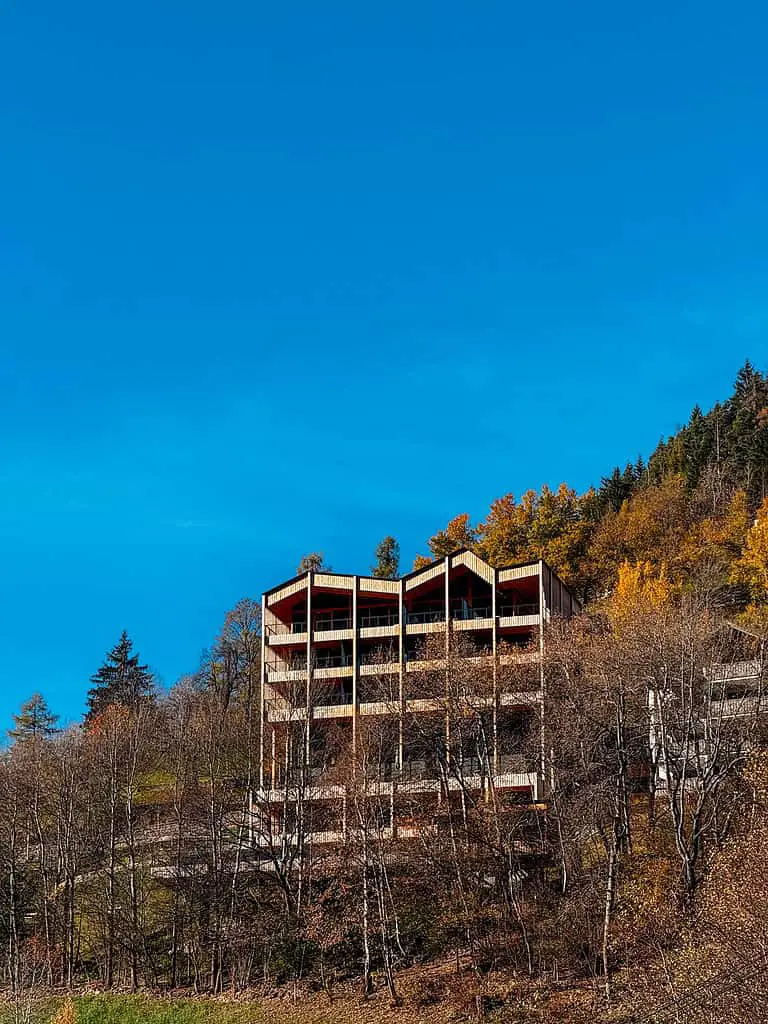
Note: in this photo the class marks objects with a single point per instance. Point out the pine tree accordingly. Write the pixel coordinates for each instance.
(120, 680)
(34, 720)
(313, 562)
(616, 488)
(747, 385)
(387, 555)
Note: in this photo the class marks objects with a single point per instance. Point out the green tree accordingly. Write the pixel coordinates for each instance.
(617, 488)
(34, 721)
(120, 680)
(313, 562)
(387, 555)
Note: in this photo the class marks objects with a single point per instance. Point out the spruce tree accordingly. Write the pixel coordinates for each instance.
(387, 555)
(616, 488)
(120, 680)
(313, 562)
(34, 721)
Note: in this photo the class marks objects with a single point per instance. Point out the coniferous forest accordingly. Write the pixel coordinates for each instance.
(129, 857)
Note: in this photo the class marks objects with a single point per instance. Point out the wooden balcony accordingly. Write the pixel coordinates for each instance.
(734, 670)
(286, 639)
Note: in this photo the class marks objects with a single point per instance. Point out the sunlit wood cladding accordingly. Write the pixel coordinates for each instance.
(291, 675)
(332, 582)
(519, 620)
(328, 635)
(287, 590)
(332, 671)
(372, 632)
(522, 699)
(320, 711)
(424, 666)
(286, 714)
(518, 572)
(463, 625)
(379, 668)
(371, 585)
(379, 707)
(413, 628)
(430, 573)
(519, 657)
(284, 638)
(475, 564)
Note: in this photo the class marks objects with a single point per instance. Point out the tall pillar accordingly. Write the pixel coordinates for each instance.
(262, 684)
(355, 666)
(310, 695)
(401, 669)
(495, 655)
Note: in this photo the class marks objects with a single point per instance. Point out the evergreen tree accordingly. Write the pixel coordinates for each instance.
(313, 562)
(748, 385)
(698, 444)
(387, 555)
(34, 720)
(616, 488)
(120, 680)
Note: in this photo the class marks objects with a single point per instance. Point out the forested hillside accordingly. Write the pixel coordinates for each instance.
(135, 852)
(688, 509)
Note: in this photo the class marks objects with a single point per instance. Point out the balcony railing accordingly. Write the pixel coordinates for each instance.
(734, 670)
(506, 611)
(472, 612)
(333, 661)
(426, 615)
(334, 696)
(368, 620)
(328, 623)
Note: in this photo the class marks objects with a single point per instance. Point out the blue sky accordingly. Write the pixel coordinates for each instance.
(283, 277)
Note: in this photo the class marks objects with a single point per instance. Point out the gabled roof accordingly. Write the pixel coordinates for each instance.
(409, 575)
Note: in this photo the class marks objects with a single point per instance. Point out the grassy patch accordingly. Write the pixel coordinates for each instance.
(115, 1008)
(142, 1010)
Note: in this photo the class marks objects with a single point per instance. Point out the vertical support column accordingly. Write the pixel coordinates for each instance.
(447, 592)
(495, 653)
(447, 605)
(542, 752)
(262, 683)
(401, 660)
(310, 580)
(273, 784)
(355, 666)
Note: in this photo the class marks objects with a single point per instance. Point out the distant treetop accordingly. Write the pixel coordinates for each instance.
(34, 720)
(120, 680)
(387, 566)
(313, 562)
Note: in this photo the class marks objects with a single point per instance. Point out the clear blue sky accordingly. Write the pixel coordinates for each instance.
(288, 276)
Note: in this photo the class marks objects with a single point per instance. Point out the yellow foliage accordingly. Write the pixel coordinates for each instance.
(549, 525)
(755, 619)
(717, 540)
(640, 588)
(752, 567)
(459, 533)
(66, 1014)
(421, 561)
(649, 528)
